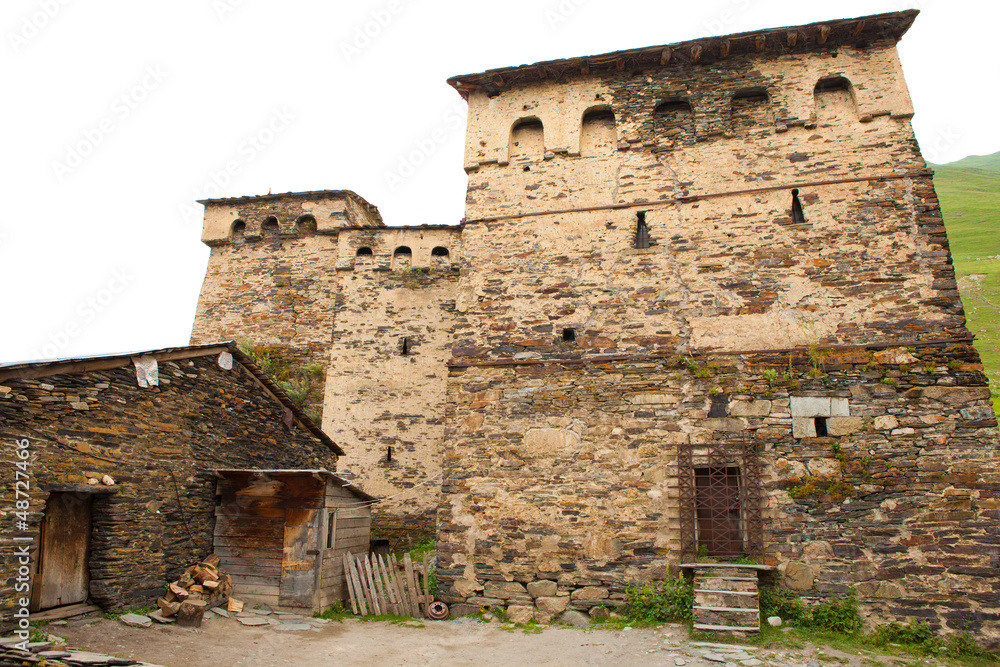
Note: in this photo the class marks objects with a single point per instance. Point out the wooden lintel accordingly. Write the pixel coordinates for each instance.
(695, 54)
(824, 34)
(724, 48)
(760, 41)
(665, 56)
(793, 38)
(858, 28)
(498, 80)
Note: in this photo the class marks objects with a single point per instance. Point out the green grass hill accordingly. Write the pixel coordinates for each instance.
(969, 191)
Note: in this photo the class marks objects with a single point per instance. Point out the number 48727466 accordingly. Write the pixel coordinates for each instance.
(21, 476)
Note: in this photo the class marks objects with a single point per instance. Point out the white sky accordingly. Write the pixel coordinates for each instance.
(100, 249)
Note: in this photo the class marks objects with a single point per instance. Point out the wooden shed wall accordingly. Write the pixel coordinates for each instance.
(352, 527)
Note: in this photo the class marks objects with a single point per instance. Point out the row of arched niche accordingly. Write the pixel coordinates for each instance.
(673, 119)
(270, 229)
(402, 258)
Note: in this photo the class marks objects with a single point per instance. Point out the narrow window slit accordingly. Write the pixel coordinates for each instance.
(388, 453)
(820, 427)
(798, 217)
(405, 346)
(641, 231)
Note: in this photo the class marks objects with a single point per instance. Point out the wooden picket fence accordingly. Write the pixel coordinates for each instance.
(378, 586)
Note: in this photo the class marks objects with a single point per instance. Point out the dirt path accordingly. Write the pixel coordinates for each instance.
(224, 642)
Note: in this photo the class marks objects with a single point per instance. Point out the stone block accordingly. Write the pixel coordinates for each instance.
(575, 618)
(750, 408)
(542, 588)
(725, 424)
(520, 614)
(546, 441)
(839, 407)
(799, 577)
(837, 426)
(552, 605)
(895, 356)
(803, 427)
(818, 549)
(810, 406)
(590, 593)
(824, 467)
(886, 423)
(889, 591)
(503, 590)
(466, 588)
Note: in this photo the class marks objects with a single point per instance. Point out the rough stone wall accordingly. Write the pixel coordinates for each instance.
(384, 406)
(732, 269)
(569, 402)
(157, 444)
(568, 473)
(313, 299)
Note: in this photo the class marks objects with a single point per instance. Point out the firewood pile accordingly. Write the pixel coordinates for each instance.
(202, 586)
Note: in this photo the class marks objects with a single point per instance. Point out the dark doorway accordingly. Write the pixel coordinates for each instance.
(62, 575)
(718, 509)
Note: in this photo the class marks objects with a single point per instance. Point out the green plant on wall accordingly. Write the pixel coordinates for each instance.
(304, 385)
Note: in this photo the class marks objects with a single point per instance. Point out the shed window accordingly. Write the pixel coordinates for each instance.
(238, 231)
(439, 252)
(331, 530)
(569, 335)
(364, 252)
(402, 258)
(597, 132)
(527, 140)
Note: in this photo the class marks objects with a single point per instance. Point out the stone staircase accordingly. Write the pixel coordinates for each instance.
(726, 597)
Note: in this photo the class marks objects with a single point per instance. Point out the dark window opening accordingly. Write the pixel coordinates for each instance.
(388, 453)
(720, 406)
(641, 231)
(751, 96)
(306, 224)
(569, 335)
(269, 230)
(331, 530)
(405, 346)
(238, 231)
(439, 252)
(820, 427)
(674, 107)
(364, 252)
(798, 217)
(832, 83)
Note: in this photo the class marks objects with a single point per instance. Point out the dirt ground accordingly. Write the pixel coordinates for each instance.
(224, 642)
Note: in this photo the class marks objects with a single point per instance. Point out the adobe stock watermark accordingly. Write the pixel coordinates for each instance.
(246, 152)
(561, 12)
(365, 34)
(453, 119)
(728, 15)
(86, 312)
(942, 141)
(223, 8)
(122, 107)
(31, 25)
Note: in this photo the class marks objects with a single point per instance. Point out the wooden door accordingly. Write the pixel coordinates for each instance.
(300, 558)
(62, 574)
(718, 505)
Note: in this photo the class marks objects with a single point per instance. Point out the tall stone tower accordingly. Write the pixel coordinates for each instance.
(706, 302)
(319, 282)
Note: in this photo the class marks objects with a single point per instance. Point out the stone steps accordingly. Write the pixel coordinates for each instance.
(726, 598)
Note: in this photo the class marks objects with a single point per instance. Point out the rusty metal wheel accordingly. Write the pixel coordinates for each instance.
(437, 610)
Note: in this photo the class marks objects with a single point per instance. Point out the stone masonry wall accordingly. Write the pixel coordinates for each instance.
(158, 444)
(562, 478)
(384, 406)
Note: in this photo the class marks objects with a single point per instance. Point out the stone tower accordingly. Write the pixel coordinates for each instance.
(702, 303)
(318, 281)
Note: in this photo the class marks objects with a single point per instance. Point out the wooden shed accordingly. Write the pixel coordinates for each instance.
(282, 535)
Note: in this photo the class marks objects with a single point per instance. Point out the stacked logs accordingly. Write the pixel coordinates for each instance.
(201, 587)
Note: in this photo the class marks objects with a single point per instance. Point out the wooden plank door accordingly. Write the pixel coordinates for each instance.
(62, 575)
(718, 505)
(300, 558)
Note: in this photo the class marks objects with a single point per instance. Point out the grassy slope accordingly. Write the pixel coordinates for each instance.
(969, 191)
